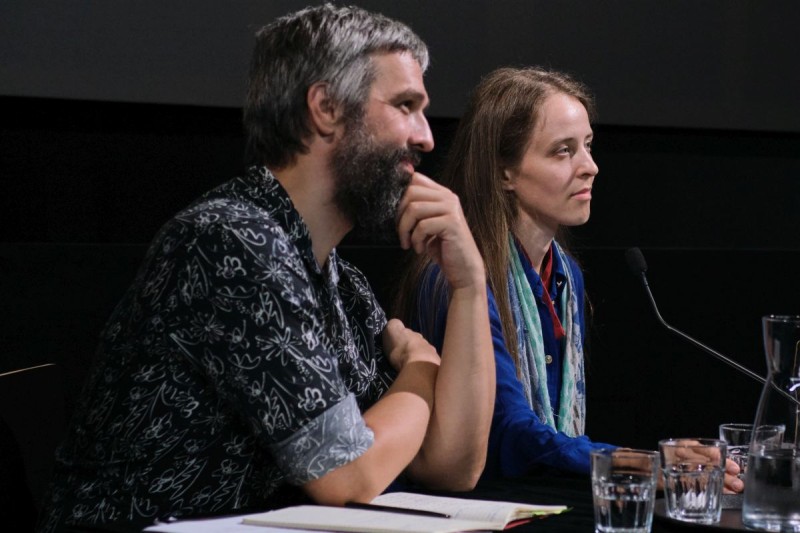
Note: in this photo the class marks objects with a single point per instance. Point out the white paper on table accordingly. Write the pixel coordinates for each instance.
(227, 524)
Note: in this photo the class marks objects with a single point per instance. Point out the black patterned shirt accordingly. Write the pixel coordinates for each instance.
(234, 369)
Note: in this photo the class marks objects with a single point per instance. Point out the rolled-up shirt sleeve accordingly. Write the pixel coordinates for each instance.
(333, 439)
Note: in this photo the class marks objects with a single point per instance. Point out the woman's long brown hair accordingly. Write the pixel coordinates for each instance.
(492, 136)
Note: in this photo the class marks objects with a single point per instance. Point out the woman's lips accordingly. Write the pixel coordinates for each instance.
(583, 194)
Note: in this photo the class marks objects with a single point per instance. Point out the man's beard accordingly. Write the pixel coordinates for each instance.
(370, 182)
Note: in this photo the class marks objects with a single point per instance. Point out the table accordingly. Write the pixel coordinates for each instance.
(575, 492)
(551, 489)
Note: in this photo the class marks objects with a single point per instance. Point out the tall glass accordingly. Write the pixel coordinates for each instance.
(772, 479)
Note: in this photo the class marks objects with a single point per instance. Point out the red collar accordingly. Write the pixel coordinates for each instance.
(547, 270)
(545, 277)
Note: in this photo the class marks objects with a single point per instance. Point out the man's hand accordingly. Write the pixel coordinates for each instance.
(403, 345)
(430, 220)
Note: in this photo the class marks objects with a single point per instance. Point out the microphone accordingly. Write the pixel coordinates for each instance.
(638, 267)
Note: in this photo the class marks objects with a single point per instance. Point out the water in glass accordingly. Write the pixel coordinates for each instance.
(623, 503)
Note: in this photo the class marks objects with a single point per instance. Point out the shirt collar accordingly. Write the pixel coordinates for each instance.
(270, 195)
(558, 277)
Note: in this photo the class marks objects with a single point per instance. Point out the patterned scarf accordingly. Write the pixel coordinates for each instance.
(572, 401)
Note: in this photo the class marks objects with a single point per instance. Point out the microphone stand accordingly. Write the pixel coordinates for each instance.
(638, 266)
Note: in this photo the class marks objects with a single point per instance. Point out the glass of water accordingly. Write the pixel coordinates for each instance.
(694, 473)
(738, 437)
(623, 489)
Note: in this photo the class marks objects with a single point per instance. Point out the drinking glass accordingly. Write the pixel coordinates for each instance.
(694, 473)
(738, 437)
(623, 489)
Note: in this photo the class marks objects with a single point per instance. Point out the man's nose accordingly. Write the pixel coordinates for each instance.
(421, 135)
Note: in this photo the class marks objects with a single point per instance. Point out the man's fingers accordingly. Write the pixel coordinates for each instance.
(413, 215)
(392, 334)
(423, 199)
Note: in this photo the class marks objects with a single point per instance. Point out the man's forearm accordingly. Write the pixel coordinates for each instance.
(399, 420)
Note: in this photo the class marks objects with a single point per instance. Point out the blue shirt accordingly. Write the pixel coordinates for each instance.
(519, 442)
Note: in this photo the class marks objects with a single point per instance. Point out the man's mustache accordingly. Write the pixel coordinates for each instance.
(409, 155)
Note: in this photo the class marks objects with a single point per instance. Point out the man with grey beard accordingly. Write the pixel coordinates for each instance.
(248, 367)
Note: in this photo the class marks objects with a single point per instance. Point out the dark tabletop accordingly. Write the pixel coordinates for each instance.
(552, 489)
(575, 492)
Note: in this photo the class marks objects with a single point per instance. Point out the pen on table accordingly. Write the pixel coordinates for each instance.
(391, 509)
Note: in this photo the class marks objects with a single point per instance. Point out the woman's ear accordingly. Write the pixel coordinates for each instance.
(507, 181)
(323, 115)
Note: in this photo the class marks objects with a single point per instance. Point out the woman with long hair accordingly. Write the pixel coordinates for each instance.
(521, 163)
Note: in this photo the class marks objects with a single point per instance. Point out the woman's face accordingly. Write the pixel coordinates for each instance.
(553, 181)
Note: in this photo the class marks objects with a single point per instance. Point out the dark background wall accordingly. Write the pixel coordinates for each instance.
(729, 64)
(116, 114)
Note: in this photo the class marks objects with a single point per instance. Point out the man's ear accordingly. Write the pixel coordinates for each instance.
(324, 116)
(507, 181)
